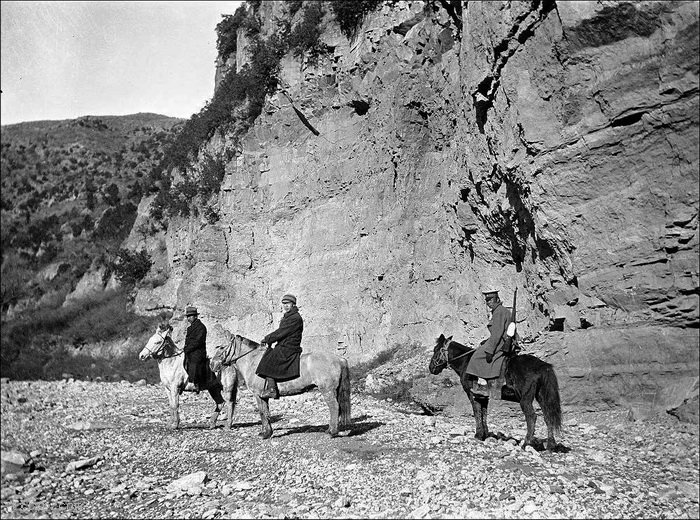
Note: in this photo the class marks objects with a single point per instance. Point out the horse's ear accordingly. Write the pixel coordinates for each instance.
(449, 339)
(442, 337)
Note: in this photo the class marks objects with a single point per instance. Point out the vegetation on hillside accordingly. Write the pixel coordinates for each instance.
(239, 99)
(70, 190)
(39, 343)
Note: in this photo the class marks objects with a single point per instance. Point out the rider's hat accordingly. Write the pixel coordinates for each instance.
(191, 311)
(490, 293)
(289, 298)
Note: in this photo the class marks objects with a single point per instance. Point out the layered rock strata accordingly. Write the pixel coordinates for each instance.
(550, 147)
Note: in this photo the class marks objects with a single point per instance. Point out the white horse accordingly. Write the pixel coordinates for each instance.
(174, 377)
(327, 372)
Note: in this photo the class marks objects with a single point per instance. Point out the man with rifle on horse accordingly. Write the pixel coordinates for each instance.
(487, 361)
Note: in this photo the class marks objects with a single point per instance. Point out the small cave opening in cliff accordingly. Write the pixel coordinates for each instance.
(360, 106)
(585, 324)
(628, 119)
(544, 250)
(482, 102)
(557, 325)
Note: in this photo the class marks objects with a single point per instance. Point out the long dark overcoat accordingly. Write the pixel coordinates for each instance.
(196, 352)
(282, 362)
(478, 366)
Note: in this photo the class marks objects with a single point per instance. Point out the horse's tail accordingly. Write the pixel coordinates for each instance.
(548, 397)
(343, 394)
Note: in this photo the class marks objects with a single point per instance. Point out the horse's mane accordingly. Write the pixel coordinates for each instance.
(250, 342)
(226, 353)
(442, 340)
(453, 343)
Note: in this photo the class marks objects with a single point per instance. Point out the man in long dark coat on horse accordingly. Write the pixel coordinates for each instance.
(282, 362)
(196, 349)
(487, 361)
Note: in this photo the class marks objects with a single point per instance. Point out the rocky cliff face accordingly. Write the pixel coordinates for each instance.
(550, 147)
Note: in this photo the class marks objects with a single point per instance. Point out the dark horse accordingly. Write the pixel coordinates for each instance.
(529, 377)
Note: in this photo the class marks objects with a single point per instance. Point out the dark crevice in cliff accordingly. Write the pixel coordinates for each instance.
(223, 232)
(360, 106)
(300, 114)
(484, 96)
(628, 119)
(523, 227)
(454, 10)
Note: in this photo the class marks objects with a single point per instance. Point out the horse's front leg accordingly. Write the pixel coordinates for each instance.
(484, 416)
(230, 395)
(334, 409)
(264, 409)
(478, 411)
(174, 400)
(476, 406)
(215, 393)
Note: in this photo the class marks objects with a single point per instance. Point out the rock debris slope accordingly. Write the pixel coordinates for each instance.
(103, 450)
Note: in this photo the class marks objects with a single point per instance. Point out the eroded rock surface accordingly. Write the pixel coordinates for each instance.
(548, 146)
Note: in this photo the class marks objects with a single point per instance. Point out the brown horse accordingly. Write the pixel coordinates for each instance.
(174, 378)
(529, 377)
(327, 372)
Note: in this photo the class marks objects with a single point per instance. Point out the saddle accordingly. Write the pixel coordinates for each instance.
(509, 393)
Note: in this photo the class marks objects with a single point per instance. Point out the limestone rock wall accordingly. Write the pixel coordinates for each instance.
(545, 146)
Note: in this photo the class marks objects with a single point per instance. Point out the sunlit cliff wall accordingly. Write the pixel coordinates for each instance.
(550, 147)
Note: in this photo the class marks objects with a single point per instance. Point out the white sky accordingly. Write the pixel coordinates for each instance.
(62, 60)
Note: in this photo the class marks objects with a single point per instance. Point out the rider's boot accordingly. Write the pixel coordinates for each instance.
(270, 390)
(480, 387)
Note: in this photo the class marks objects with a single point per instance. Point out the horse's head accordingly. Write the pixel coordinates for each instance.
(439, 360)
(217, 360)
(156, 343)
(223, 354)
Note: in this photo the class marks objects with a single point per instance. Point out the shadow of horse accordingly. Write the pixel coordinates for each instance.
(536, 443)
(358, 428)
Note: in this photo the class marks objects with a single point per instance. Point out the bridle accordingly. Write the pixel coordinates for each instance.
(232, 349)
(155, 352)
(444, 353)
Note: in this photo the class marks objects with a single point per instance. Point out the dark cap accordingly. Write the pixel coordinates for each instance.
(490, 293)
(289, 298)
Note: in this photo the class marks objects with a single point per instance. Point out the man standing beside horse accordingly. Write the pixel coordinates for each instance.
(487, 361)
(282, 362)
(195, 349)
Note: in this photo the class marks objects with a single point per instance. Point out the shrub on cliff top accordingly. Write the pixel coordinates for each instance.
(305, 37)
(227, 32)
(350, 13)
(129, 267)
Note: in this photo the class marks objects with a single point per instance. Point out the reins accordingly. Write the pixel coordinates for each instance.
(154, 353)
(445, 351)
(226, 362)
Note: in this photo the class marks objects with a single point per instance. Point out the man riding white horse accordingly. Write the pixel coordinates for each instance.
(196, 350)
(282, 362)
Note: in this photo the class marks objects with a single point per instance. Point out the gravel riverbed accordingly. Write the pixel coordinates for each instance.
(103, 450)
